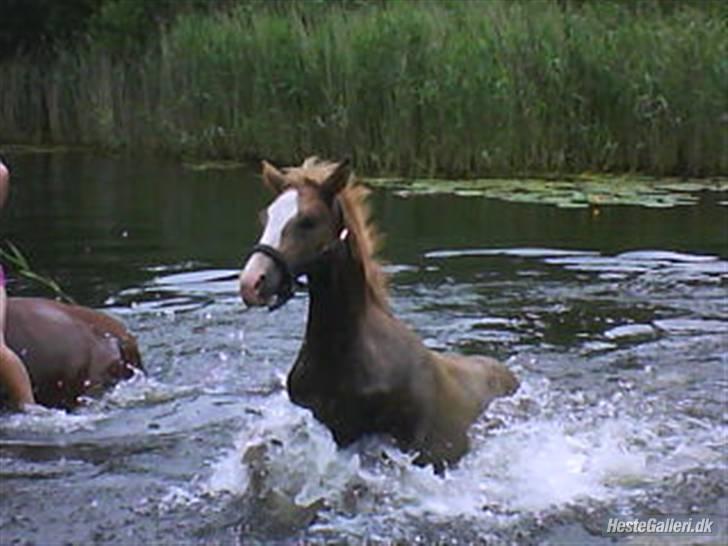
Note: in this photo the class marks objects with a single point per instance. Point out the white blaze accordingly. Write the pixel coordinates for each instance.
(280, 212)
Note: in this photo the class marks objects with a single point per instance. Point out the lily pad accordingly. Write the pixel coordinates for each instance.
(709, 184)
(581, 192)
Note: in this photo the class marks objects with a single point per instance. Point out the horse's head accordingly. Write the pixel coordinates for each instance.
(302, 224)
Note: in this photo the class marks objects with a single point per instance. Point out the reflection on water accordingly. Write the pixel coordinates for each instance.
(616, 325)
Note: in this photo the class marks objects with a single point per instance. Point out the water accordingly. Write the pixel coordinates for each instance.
(616, 324)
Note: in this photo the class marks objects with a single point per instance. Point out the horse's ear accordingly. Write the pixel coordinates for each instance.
(273, 178)
(336, 181)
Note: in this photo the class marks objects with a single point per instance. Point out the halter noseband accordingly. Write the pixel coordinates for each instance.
(287, 288)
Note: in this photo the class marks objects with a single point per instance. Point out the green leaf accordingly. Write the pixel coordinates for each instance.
(19, 262)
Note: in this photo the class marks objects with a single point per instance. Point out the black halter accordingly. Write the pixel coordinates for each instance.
(290, 275)
(289, 281)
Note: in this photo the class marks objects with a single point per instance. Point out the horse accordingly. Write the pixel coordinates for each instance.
(360, 370)
(69, 351)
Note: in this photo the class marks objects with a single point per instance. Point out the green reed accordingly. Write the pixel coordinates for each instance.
(11, 255)
(420, 88)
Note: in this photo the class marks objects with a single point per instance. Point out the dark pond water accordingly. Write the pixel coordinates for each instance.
(616, 324)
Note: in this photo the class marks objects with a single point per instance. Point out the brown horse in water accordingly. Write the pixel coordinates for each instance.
(360, 370)
(69, 351)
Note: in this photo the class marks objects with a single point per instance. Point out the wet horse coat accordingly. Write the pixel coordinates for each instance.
(69, 350)
(360, 370)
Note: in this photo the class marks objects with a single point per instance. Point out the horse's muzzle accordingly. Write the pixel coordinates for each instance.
(266, 279)
(250, 290)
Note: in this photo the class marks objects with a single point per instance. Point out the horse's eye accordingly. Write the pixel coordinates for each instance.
(307, 222)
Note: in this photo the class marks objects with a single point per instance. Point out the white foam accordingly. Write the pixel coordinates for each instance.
(52, 421)
(539, 460)
(229, 475)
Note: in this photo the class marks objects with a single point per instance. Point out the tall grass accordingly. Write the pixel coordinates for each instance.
(421, 88)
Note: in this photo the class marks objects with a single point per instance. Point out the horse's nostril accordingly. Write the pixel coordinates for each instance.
(259, 282)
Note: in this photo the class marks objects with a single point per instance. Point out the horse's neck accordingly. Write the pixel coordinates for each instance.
(338, 302)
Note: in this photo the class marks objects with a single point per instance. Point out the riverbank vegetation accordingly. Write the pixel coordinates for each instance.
(491, 87)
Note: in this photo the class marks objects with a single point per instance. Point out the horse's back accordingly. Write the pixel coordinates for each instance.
(482, 378)
(68, 350)
(109, 327)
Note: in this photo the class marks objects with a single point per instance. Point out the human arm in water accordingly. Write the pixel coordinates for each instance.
(13, 373)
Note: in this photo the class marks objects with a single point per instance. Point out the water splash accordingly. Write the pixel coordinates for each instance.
(536, 462)
(51, 421)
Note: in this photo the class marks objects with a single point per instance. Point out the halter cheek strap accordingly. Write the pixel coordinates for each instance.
(289, 281)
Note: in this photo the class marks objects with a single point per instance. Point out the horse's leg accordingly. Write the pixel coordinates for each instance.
(441, 441)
